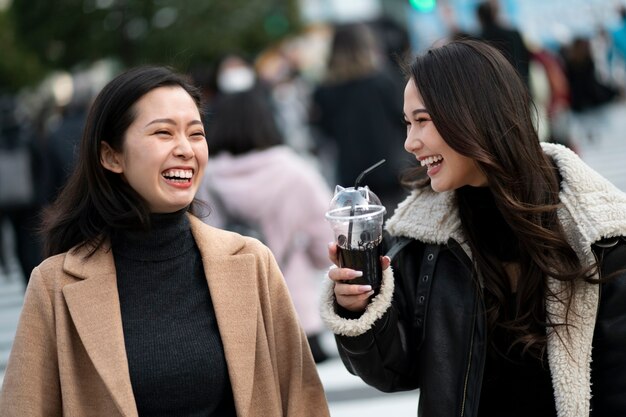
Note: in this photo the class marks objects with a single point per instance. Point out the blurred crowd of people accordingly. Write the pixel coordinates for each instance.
(311, 112)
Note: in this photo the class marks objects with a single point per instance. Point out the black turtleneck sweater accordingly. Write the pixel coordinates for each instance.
(175, 353)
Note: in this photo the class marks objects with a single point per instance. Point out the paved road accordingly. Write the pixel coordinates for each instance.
(602, 144)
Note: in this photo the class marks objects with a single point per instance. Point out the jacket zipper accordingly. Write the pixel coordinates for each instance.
(467, 372)
(469, 363)
(471, 353)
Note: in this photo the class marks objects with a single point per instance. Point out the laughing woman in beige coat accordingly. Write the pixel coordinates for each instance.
(141, 309)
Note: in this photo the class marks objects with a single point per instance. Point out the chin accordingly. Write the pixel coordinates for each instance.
(438, 188)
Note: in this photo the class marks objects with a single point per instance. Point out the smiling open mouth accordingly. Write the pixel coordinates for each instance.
(432, 161)
(178, 175)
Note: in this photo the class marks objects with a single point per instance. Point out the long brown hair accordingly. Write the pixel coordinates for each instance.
(483, 110)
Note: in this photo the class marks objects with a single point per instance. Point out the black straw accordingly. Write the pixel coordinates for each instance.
(356, 186)
(367, 171)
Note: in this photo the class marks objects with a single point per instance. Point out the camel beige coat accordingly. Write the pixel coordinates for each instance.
(69, 359)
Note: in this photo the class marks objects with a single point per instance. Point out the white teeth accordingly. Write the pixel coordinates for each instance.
(431, 160)
(178, 173)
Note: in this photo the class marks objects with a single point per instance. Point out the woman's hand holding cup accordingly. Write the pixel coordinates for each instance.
(350, 296)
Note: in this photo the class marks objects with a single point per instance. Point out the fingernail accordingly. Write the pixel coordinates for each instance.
(357, 274)
(365, 288)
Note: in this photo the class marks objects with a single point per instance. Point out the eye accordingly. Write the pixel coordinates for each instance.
(422, 120)
(198, 135)
(162, 133)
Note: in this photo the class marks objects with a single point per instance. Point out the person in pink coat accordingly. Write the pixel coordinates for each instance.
(255, 177)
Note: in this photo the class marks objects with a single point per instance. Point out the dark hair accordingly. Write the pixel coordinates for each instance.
(354, 53)
(95, 202)
(241, 122)
(482, 109)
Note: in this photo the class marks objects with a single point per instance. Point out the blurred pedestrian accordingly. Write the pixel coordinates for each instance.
(254, 176)
(356, 110)
(506, 293)
(587, 90)
(142, 309)
(62, 142)
(556, 97)
(22, 193)
(508, 40)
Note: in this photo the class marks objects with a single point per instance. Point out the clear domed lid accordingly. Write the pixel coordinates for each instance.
(361, 199)
(356, 215)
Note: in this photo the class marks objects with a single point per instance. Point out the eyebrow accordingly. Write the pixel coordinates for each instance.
(416, 112)
(172, 122)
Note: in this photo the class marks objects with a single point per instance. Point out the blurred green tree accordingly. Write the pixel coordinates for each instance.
(64, 34)
(18, 66)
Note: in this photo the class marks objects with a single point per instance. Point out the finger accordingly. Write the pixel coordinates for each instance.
(356, 303)
(385, 261)
(332, 253)
(343, 274)
(349, 290)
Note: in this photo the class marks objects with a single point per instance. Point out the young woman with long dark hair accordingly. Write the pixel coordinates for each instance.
(506, 286)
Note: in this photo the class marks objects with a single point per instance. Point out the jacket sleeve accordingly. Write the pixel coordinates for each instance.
(300, 385)
(31, 384)
(375, 345)
(608, 368)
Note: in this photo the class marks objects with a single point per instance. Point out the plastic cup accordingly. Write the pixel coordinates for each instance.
(356, 217)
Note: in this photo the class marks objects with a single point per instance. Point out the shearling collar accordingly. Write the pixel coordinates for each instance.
(593, 208)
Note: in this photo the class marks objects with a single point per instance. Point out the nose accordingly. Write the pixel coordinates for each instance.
(412, 144)
(183, 148)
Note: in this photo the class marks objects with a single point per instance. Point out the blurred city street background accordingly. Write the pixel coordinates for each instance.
(55, 59)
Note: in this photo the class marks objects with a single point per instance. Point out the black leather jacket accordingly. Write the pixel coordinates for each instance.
(432, 337)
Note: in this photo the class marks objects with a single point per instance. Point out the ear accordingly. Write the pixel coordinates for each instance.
(110, 159)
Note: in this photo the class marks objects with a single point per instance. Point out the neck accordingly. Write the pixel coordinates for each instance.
(169, 236)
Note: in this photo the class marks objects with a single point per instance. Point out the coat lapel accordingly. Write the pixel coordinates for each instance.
(93, 303)
(231, 277)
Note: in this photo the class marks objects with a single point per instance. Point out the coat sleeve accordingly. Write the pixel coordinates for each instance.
(31, 384)
(301, 390)
(375, 345)
(608, 368)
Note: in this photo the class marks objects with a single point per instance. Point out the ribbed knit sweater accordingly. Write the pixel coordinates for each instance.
(175, 353)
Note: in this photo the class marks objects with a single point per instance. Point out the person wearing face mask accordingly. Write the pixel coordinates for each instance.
(141, 309)
(504, 279)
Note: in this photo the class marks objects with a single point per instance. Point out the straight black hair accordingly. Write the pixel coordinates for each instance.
(95, 202)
